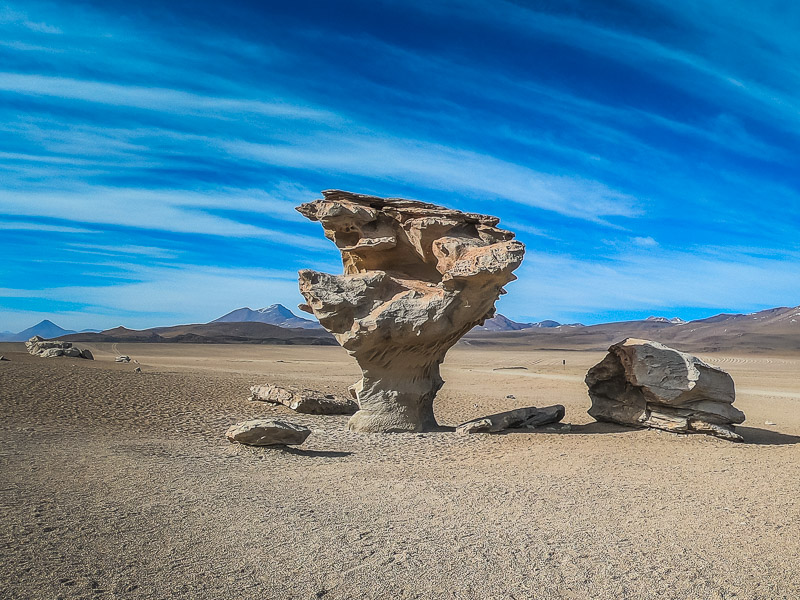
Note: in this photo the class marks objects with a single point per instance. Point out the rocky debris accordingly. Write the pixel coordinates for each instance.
(137, 370)
(417, 277)
(122, 359)
(520, 418)
(267, 432)
(647, 384)
(86, 353)
(305, 401)
(38, 346)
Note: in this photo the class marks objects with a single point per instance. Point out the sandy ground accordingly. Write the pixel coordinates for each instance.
(115, 484)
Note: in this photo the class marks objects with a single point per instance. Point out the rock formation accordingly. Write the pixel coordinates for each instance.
(50, 349)
(416, 278)
(267, 432)
(647, 384)
(309, 402)
(520, 418)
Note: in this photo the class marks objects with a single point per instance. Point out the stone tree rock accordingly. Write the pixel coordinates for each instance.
(647, 384)
(416, 278)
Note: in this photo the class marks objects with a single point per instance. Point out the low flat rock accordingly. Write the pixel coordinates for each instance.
(520, 418)
(310, 402)
(53, 348)
(51, 353)
(268, 432)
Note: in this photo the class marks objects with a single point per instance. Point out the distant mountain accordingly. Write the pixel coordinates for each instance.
(46, 329)
(213, 333)
(277, 314)
(673, 320)
(501, 322)
(547, 324)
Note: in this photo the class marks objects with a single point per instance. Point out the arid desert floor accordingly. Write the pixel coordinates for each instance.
(115, 484)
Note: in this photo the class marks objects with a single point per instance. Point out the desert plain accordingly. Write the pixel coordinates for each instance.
(116, 484)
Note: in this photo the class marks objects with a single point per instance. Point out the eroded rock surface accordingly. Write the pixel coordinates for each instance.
(520, 418)
(647, 384)
(416, 278)
(38, 346)
(268, 432)
(310, 402)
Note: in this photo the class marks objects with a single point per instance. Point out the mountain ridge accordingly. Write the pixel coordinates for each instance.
(275, 314)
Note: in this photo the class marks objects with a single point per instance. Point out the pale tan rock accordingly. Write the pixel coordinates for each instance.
(520, 418)
(416, 278)
(267, 432)
(52, 348)
(305, 401)
(647, 384)
(51, 352)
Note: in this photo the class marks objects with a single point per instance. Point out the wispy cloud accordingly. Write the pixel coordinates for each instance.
(160, 99)
(160, 210)
(43, 227)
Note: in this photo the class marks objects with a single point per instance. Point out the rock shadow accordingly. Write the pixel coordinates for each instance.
(316, 453)
(766, 437)
(588, 428)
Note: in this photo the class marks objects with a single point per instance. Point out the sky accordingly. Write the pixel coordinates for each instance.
(152, 153)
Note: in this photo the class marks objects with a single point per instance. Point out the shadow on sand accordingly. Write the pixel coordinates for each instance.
(560, 429)
(766, 437)
(313, 453)
(751, 435)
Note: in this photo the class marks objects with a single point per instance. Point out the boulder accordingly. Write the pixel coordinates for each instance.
(2, 358)
(122, 359)
(51, 353)
(267, 432)
(52, 348)
(417, 277)
(520, 418)
(49, 344)
(87, 354)
(647, 384)
(303, 401)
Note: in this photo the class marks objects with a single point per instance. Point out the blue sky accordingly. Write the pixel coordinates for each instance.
(151, 153)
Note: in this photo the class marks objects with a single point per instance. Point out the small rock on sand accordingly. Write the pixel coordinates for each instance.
(267, 432)
(303, 401)
(3, 358)
(123, 359)
(514, 419)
